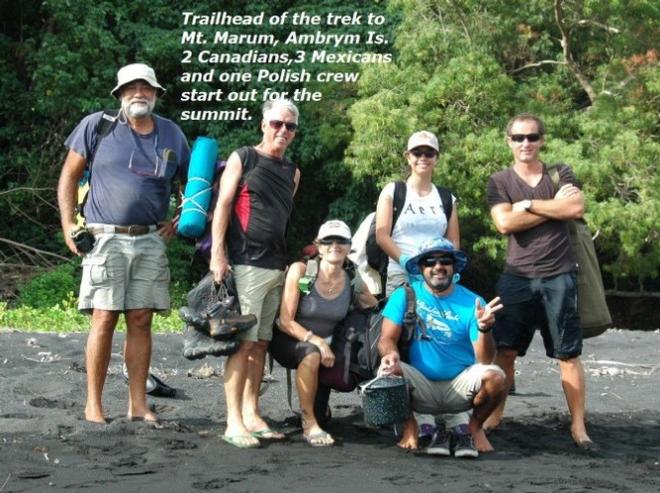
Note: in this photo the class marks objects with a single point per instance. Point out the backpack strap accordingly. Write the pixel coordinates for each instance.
(553, 171)
(447, 201)
(410, 319)
(399, 200)
(103, 128)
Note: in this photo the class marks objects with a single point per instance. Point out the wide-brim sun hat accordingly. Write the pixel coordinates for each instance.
(334, 229)
(136, 71)
(423, 138)
(437, 245)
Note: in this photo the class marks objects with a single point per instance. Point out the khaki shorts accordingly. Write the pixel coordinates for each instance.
(259, 292)
(445, 396)
(125, 272)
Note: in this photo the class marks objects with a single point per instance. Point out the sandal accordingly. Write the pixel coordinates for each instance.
(319, 439)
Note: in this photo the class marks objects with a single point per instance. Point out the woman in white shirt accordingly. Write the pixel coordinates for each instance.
(422, 216)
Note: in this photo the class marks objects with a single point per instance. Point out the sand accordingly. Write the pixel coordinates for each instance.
(45, 445)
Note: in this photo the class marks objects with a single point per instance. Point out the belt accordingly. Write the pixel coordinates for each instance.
(131, 230)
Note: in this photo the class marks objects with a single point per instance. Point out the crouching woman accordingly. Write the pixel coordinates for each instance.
(309, 317)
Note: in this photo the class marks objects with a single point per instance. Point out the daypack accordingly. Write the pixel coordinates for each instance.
(595, 316)
(104, 126)
(204, 242)
(376, 257)
(368, 329)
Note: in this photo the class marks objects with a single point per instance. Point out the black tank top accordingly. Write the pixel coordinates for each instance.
(260, 215)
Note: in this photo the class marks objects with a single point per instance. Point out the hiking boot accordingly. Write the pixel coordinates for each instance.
(191, 317)
(440, 443)
(464, 446)
(230, 325)
(197, 345)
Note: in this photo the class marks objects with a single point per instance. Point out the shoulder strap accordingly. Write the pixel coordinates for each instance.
(400, 190)
(553, 171)
(410, 319)
(447, 201)
(103, 128)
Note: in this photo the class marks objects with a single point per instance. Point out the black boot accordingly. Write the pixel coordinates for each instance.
(197, 345)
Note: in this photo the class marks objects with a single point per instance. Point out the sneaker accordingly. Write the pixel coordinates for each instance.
(440, 443)
(230, 324)
(426, 430)
(464, 446)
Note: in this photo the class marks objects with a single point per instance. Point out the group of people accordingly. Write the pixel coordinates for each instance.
(461, 358)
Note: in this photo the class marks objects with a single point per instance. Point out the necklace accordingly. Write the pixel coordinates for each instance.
(331, 287)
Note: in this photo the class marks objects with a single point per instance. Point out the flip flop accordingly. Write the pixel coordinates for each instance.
(239, 441)
(268, 434)
(319, 435)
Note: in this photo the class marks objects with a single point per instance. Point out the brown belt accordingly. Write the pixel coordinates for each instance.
(132, 230)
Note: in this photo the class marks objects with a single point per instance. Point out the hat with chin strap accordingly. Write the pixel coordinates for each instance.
(437, 245)
(136, 71)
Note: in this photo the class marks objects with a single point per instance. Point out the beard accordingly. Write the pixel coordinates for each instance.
(138, 108)
(439, 284)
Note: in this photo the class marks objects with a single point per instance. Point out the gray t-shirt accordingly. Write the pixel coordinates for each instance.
(131, 173)
(321, 315)
(543, 250)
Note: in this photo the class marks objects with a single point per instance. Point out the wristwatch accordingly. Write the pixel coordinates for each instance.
(526, 204)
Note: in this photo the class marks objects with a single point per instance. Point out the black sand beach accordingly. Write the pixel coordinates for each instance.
(46, 446)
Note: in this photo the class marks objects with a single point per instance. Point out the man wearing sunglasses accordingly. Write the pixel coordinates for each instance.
(125, 268)
(450, 351)
(249, 229)
(538, 286)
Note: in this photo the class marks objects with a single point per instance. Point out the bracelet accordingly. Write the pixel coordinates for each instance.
(485, 331)
(308, 336)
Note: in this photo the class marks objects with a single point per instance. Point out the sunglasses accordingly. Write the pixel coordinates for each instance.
(432, 261)
(426, 154)
(277, 124)
(330, 241)
(522, 137)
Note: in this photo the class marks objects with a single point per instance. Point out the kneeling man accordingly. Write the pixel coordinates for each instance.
(448, 358)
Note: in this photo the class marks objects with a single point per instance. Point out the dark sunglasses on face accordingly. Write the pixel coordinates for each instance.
(522, 137)
(427, 154)
(277, 124)
(330, 241)
(432, 261)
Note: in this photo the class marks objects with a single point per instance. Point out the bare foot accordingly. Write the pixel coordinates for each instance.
(492, 423)
(580, 437)
(259, 428)
(148, 417)
(94, 416)
(481, 441)
(409, 435)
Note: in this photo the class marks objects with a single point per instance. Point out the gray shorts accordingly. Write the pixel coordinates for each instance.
(125, 272)
(259, 292)
(445, 396)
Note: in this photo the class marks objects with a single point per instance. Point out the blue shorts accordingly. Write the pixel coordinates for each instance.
(549, 304)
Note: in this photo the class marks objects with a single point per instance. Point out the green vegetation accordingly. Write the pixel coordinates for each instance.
(461, 69)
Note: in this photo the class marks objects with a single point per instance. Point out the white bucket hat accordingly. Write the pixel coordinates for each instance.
(136, 71)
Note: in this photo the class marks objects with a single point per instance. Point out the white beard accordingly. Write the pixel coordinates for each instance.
(138, 109)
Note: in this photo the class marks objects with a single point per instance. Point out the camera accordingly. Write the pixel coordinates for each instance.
(83, 239)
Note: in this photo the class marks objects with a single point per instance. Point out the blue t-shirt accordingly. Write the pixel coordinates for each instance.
(131, 173)
(450, 323)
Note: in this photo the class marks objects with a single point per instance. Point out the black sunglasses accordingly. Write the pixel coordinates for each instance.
(330, 241)
(426, 154)
(522, 137)
(432, 261)
(277, 124)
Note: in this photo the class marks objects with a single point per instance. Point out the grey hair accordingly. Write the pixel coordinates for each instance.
(281, 103)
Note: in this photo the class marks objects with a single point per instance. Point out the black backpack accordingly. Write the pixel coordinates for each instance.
(376, 257)
(365, 328)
